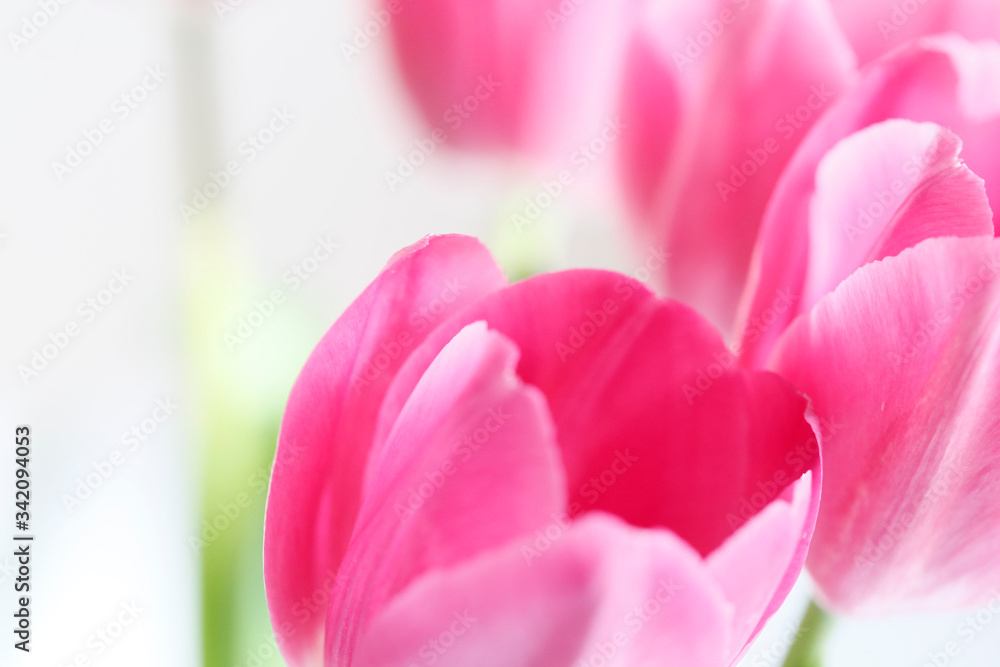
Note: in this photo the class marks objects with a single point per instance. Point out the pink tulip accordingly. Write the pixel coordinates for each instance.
(905, 355)
(528, 76)
(893, 328)
(810, 241)
(555, 471)
(717, 95)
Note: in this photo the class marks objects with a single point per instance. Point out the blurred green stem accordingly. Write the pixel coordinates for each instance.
(807, 651)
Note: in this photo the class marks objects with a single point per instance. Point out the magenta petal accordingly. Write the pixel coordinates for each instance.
(729, 111)
(904, 357)
(470, 464)
(880, 190)
(644, 391)
(944, 80)
(326, 432)
(601, 591)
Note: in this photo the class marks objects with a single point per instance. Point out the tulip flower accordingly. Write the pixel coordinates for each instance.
(717, 95)
(534, 76)
(905, 354)
(560, 471)
(822, 202)
(882, 251)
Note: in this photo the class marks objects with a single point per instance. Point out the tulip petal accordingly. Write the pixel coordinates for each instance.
(328, 424)
(603, 591)
(904, 355)
(944, 80)
(529, 75)
(642, 391)
(879, 191)
(876, 27)
(470, 464)
(749, 78)
(654, 97)
(752, 566)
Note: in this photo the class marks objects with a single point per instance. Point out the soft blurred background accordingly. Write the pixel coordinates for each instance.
(196, 289)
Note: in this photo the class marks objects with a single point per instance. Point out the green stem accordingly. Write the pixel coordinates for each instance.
(807, 651)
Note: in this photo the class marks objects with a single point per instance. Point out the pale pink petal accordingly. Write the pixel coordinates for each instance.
(655, 422)
(758, 565)
(327, 428)
(904, 358)
(877, 192)
(739, 84)
(944, 80)
(601, 593)
(470, 464)
(876, 27)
